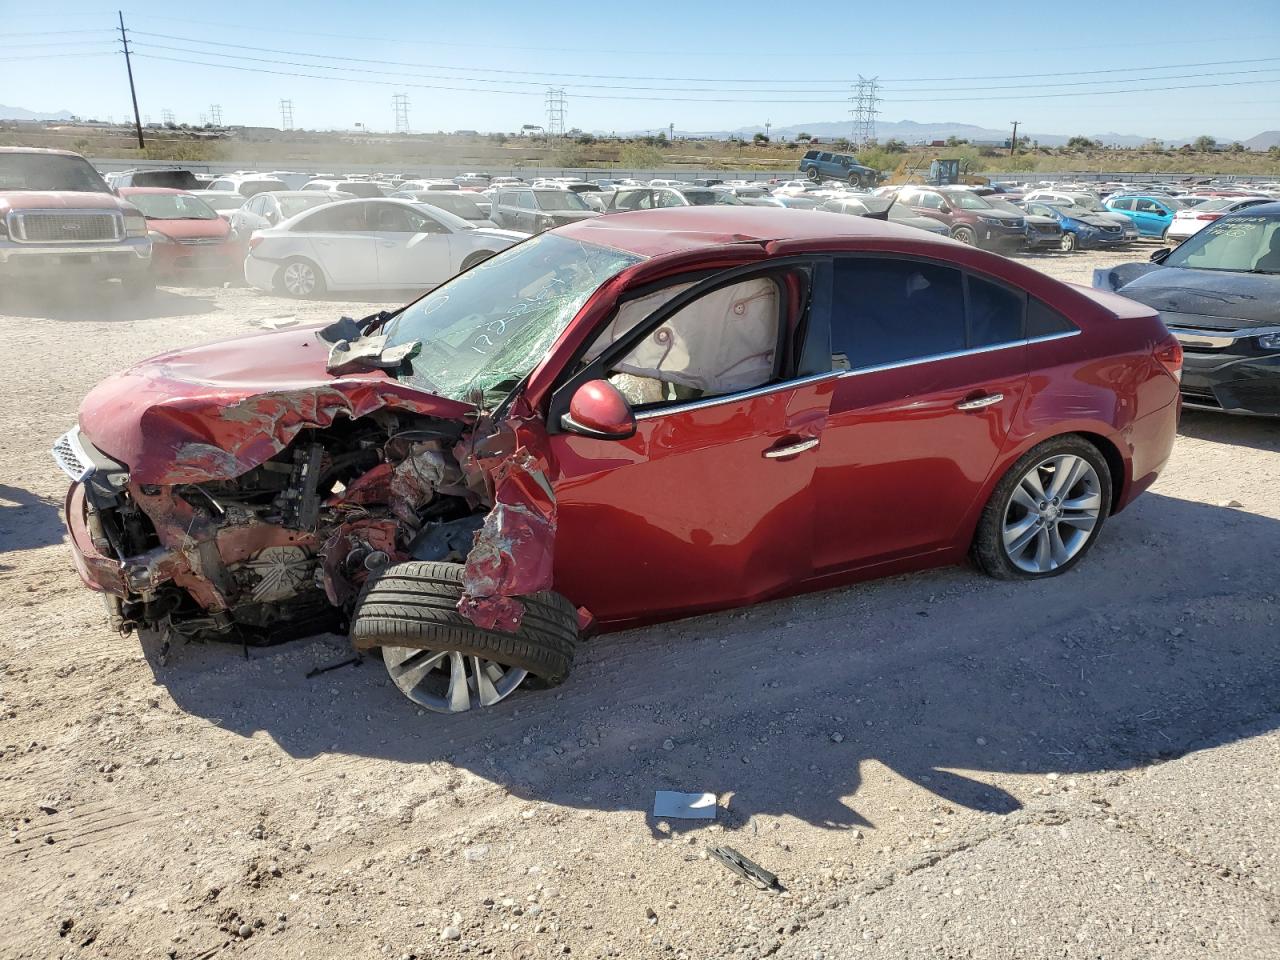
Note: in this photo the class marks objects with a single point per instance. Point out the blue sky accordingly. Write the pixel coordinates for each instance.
(642, 66)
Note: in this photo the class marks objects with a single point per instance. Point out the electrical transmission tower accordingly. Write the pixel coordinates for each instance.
(166, 116)
(215, 114)
(555, 112)
(286, 114)
(864, 110)
(400, 103)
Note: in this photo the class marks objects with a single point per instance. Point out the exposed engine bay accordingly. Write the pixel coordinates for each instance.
(282, 550)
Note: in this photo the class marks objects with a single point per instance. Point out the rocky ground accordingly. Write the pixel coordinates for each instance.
(934, 765)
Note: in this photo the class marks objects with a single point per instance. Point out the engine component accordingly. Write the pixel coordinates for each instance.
(280, 573)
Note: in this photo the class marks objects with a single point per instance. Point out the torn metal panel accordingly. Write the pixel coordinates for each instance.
(367, 353)
(513, 552)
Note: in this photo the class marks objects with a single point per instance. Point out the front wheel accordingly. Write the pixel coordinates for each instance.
(1046, 512)
(302, 278)
(812, 174)
(855, 179)
(965, 235)
(1068, 243)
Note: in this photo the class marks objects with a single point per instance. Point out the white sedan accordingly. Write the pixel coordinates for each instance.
(368, 245)
(1191, 221)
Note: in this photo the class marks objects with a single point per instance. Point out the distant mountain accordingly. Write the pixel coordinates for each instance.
(1263, 141)
(21, 113)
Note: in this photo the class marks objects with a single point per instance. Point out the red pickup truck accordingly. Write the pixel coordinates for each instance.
(59, 221)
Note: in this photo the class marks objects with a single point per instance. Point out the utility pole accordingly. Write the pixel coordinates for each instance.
(1013, 144)
(555, 112)
(286, 114)
(128, 65)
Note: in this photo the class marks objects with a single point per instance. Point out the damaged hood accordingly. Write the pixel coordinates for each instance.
(1237, 299)
(219, 410)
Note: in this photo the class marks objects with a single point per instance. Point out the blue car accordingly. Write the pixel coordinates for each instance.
(820, 165)
(1080, 230)
(1151, 213)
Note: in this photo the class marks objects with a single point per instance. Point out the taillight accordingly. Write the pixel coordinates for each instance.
(1208, 216)
(1169, 353)
(254, 241)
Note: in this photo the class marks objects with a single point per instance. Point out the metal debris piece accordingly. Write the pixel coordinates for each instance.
(365, 353)
(670, 805)
(751, 872)
(349, 662)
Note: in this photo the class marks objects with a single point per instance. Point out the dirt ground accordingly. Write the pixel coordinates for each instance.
(934, 765)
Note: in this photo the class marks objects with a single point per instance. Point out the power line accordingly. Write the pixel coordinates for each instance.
(667, 51)
(583, 96)
(533, 83)
(597, 76)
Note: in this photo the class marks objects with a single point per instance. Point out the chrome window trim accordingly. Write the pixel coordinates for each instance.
(840, 374)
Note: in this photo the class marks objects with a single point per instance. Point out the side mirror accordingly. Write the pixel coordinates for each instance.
(944, 208)
(599, 410)
(1161, 255)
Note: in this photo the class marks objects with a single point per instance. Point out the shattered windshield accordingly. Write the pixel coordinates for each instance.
(487, 328)
(172, 206)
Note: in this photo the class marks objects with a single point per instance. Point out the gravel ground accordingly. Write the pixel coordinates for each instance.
(934, 765)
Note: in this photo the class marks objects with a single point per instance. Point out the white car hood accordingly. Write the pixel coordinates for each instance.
(499, 234)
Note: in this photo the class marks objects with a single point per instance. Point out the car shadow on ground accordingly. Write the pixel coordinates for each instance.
(1162, 639)
(105, 301)
(27, 521)
(1260, 433)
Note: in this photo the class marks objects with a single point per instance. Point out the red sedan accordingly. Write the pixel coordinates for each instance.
(627, 419)
(187, 235)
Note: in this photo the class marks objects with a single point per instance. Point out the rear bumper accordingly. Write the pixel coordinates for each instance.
(261, 273)
(179, 259)
(118, 259)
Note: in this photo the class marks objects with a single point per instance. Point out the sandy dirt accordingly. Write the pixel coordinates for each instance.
(924, 761)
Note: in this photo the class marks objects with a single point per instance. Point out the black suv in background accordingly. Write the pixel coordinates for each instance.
(533, 210)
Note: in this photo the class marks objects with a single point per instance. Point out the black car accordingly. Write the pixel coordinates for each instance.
(1219, 294)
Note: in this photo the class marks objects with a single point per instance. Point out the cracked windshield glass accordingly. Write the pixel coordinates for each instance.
(486, 329)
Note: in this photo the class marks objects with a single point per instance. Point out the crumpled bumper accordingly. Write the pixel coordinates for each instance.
(97, 570)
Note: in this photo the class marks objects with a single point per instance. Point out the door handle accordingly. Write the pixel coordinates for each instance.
(387, 243)
(777, 453)
(977, 403)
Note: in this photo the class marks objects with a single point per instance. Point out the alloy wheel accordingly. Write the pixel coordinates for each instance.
(300, 279)
(448, 681)
(1052, 513)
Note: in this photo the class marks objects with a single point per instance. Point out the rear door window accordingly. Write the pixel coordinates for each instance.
(339, 218)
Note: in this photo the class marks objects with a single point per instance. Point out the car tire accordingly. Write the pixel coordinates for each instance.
(1001, 528)
(414, 604)
(1068, 244)
(965, 235)
(855, 179)
(301, 279)
(475, 259)
(812, 174)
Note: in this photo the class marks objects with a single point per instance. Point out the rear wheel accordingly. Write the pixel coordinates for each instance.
(965, 235)
(441, 660)
(301, 278)
(1068, 243)
(474, 259)
(1046, 512)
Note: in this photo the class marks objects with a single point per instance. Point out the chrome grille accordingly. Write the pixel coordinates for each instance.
(197, 241)
(70, 456)
(66, 227)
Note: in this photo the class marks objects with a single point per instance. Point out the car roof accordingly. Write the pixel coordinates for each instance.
(47, 151)
(135, 191)
(1266, 209)
(673, 229)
